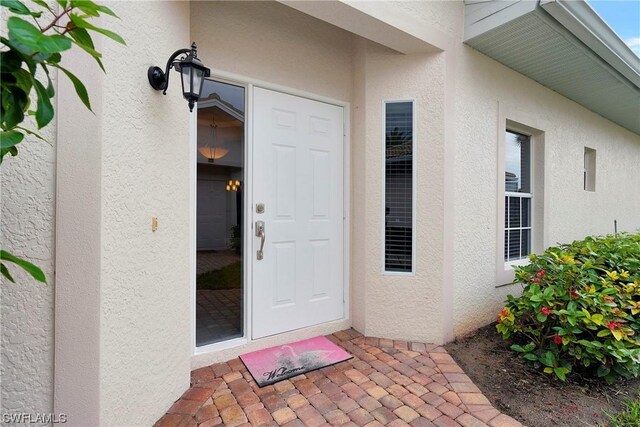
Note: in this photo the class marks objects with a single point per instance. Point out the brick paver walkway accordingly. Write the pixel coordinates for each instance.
(387, 382)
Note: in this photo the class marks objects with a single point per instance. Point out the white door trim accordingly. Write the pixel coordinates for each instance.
(248, 83)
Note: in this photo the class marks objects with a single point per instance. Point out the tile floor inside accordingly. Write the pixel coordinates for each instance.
(392, 383)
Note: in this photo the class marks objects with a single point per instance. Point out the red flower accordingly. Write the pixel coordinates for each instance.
(574, 294)
(616, 310)
(499, 319)
(557, 339)
(612, 325)
(536, 280)
(541, 273)
(504, 312)
(545, 310)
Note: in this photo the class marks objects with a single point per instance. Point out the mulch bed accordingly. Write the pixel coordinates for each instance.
(532, 397)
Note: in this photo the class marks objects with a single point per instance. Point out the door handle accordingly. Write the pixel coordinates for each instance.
(261, 234)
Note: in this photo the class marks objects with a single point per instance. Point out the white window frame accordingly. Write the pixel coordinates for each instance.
(413, 186)
(523, 260)
(512, 120)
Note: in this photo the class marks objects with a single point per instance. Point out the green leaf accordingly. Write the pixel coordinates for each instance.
(597, 319)
(13, 151)
(44, 112)
(83, 40)
(10, 139)
(541, 317)
(561, 373)
(18, 8)
(27, 34)
(530, 356)
(81, 90)
(82, 23)
(34, 271)
(603, 371)
(30, 132)
(91, 8)
(10, 61)
(604, 333)
(5, 272)
(516, 347)
(14, 101)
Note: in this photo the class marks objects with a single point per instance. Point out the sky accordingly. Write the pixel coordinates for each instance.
(623, 16)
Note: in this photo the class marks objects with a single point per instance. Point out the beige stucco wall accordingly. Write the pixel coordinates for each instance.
(570, 212)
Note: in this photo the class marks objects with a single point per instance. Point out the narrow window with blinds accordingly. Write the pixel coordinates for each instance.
(398, 218)
(518, 197)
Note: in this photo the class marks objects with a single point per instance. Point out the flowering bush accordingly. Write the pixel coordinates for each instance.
(579, 309)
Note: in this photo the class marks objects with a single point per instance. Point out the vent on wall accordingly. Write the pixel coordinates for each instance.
(589, 169)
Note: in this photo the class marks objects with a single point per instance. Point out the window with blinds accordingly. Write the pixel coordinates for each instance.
(518, 197)
(398, 219)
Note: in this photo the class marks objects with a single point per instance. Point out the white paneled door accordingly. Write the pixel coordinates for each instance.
(298, 178)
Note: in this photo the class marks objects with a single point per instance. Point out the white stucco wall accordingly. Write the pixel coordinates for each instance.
(271, 42)
(133, 359)
(27, 204)
(402, 307)
(570, 212)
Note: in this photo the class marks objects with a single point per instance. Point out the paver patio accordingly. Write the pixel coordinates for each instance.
(388, 382)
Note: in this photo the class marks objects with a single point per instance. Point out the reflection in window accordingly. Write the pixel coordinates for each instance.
(518, 197)
(220, 189)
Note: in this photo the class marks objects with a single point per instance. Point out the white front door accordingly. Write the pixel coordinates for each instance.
(298, 177)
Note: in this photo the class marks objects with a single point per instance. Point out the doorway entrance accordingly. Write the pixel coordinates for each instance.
(293, 202)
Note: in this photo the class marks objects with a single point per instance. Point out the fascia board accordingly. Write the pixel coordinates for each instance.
(487, 16)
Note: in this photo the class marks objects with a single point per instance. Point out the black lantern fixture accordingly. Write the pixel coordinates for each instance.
(189, 66)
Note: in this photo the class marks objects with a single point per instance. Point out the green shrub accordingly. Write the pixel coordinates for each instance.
(579, 308)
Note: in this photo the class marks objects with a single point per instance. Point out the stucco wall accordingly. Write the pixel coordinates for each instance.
(145, 276)
(271, 42)
(27, 204)
(403, 307)
(571, 212)
(131, 285)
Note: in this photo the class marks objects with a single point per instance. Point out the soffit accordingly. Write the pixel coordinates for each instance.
(524, 37)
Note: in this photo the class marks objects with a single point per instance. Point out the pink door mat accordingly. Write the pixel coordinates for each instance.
(278, 363)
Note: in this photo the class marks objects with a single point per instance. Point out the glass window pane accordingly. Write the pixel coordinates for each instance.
(525, 243)
(514, 212)
(526, 212)
(514, 245)
(398, 186)
(517, 163)
(220, 188)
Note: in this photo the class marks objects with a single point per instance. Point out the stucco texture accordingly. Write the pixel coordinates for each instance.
(570, 212)
(27, 200)
(27, 206)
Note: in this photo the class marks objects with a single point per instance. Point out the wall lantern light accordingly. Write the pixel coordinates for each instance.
(189, 66)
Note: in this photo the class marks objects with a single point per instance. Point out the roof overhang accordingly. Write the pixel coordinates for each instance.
(380, 22)
(565, 46)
